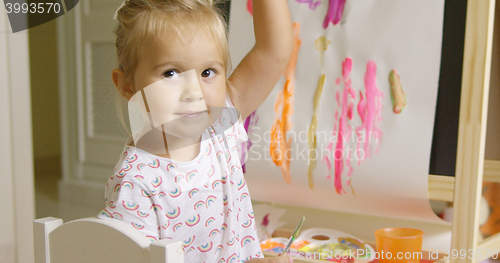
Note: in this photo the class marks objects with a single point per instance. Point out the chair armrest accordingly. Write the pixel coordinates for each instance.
(167, 250)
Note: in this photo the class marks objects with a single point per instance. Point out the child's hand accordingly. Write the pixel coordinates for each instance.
(280, 259)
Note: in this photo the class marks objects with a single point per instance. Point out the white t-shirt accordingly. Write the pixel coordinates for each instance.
(204, 202)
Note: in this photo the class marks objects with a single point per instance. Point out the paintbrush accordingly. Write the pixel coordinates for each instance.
(295, 234)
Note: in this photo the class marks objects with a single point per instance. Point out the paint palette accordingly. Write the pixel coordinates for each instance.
(319, 245)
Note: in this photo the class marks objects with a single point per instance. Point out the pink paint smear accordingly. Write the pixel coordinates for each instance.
(370, 112)
(250, 7)
(335, 12)
(251, 120)
(343, 129)
(312, 4)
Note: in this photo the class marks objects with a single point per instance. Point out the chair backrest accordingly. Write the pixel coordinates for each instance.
(99, 240)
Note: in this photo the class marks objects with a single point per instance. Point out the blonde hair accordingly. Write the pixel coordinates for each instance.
(142, 21)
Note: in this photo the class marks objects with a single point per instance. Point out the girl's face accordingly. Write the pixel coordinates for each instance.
(194, 66)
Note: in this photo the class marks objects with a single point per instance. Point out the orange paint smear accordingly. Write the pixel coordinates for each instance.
(280, 147)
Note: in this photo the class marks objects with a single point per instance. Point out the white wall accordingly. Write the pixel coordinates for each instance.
(16, 157)
(44, 87)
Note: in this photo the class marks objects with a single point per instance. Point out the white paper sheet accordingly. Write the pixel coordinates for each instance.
(405, 35)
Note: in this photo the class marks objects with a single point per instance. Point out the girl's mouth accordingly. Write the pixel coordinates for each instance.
(191, 114)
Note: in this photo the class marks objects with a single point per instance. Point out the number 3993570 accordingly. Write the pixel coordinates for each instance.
(34, 8)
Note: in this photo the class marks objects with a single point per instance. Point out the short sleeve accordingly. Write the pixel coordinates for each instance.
(237, 129)
(129, 200)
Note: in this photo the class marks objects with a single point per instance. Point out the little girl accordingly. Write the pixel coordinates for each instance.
(185, 182)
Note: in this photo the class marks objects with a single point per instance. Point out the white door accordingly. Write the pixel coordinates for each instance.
(93, 135)
(16, 154)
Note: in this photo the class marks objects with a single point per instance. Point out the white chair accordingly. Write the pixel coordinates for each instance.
(99, 240)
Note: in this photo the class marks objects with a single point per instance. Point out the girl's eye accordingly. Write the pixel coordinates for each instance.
(171, 74)
(208, 73)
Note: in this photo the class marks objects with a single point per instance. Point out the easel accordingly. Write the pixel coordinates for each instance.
(465, 188)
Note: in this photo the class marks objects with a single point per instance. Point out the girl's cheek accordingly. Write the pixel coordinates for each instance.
(214, 97)
(214, 104)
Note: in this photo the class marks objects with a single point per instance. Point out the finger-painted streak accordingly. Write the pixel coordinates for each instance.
(280, 146)
(344, 129)
(398, 96)
(334, 13)
(312, 4)
(370, 112)
(250, 121)
(250, 7)
(321, 44)
(311, 133)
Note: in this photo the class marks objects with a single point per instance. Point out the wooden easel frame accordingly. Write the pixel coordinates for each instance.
(465, 188)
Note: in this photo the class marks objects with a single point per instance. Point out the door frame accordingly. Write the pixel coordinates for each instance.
(16, 155)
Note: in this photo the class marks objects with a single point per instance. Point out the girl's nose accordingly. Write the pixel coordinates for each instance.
(191, 89)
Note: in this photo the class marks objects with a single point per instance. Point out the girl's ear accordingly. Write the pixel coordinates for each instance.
(121, 84)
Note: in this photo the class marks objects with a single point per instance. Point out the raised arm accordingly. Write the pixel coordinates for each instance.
(260, 70)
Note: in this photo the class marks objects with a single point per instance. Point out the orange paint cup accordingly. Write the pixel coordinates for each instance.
(399, 245)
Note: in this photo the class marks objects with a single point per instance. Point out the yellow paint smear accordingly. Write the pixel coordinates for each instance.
(321, 44)
(311, 133)
(398, 96)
